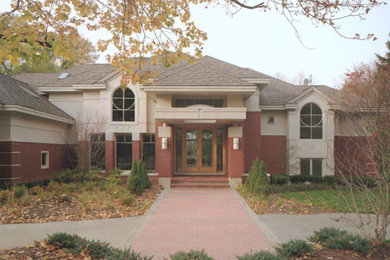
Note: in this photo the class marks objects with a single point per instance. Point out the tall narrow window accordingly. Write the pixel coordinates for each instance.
(311, 122)
(124, 151)
(123, 105)
(44, 159)
(148, 150)
(97, 151)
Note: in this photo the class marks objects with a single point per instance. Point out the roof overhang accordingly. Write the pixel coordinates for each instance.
(73, 88)
(33, 112)
(257, 81)
(239, 90)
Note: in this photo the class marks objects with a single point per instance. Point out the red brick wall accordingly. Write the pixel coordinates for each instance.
(351, 156)
(273, 152)
(253, 139)
(164, 158)
(236, 159)
(110, 156)
(136, 153)
(28, 158)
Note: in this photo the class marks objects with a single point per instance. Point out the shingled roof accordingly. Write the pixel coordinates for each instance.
(207, 71)
(15, 92)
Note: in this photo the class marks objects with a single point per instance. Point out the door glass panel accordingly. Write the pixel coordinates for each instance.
(219, 149)
(207, 148)
(192, 148)
(179, 141)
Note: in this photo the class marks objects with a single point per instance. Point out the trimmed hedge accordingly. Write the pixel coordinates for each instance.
(279, 179)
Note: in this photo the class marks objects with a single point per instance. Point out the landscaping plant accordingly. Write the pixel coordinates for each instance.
(257, 182)
(191, 255)
(335, 238)
(261, 255)
(138, 179)
(294, 248)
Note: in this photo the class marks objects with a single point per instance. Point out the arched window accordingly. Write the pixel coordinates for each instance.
(311, 122)
(123, 105)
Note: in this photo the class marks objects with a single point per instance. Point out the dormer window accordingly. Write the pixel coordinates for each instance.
(311, 122)
(123, 105)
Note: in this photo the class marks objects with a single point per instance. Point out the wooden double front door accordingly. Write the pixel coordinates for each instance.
(199, 150)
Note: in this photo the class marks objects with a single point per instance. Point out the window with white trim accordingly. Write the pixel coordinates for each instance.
(123, 105)
(44, 159)
(311, 122)
(311, 167)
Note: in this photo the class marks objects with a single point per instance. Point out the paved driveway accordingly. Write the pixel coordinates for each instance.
(213, 220)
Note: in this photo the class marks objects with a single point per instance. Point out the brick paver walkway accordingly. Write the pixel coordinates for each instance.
(206, 219)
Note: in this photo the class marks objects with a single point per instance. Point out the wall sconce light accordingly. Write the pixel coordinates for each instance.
(236, 144)
(164, 144)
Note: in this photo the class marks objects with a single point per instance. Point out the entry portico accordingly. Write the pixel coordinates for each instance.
(199, 124)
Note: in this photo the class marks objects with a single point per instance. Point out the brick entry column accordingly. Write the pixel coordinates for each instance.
(136, 147)
(164, 158)
(110, 156)
(236, 157)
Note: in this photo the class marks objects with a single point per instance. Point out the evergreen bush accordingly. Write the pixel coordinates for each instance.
(340, 239)
(257, 182)
(191, 255)
(294, 248)
(19, 191)
(134, 180)
(261, 255)
(279, 179)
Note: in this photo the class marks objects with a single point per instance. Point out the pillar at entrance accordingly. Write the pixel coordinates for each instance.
(236, 157)
(164, 158)
(110, 156)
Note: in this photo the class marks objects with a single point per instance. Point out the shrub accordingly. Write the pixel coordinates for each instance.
(305, 178)
(37, 183)
(127, 254)
(64, 198)
(257, 181)
(126, 198)
(97, 249)
(279, 179)
(191, 255)
(138, 179)
(261, 255)
(20, 191)
(63, 240)
(335, 238)
(54, 186)
(5, 195)
(294, 248)
(144, 173)
(294, 187)
(116, 171)
(252, 175)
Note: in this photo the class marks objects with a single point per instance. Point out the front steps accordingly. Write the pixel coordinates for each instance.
(200, 182)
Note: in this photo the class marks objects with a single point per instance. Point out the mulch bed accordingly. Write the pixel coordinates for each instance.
(275, 205)
(322, 253)
(52, 209)
(41, 250)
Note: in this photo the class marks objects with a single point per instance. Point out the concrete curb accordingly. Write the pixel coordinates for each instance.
(133, 235)
(264, 228)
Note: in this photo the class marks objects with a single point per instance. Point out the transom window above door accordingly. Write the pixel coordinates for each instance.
(186, 102)
(311, 122)
(123, 105)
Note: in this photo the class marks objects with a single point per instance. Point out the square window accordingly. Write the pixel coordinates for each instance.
(271, 120)
(44, 159)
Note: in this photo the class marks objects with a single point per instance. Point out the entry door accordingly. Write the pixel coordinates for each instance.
(199, 150)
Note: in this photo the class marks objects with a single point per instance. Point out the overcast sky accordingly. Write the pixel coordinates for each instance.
(266, 42)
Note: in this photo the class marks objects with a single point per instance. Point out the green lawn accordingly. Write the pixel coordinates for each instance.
(337, 199)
